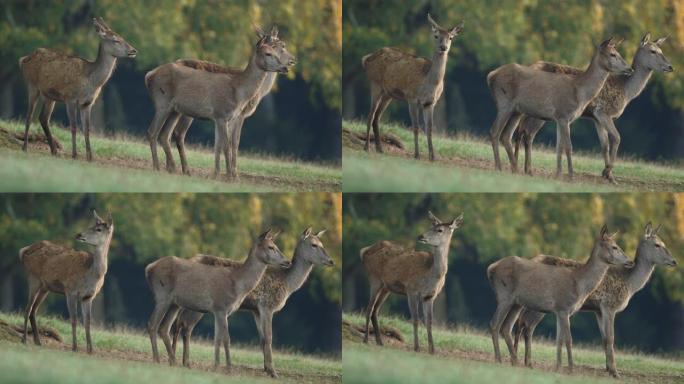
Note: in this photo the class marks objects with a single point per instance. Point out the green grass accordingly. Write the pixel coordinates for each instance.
(124, 355)
(465, 164)
(466, 355)
(124, 164)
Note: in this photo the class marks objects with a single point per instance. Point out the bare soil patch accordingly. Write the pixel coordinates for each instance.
(357, 140)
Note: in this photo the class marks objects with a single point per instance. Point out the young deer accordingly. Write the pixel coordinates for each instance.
(55, 76)
(520, 90)
(418, 275)
(610, 297)
(394, 74)
(184, 122)
(519, 283)
(177, 89)
(76, 274)
(179, 283)
(269, 296)
(608, 105)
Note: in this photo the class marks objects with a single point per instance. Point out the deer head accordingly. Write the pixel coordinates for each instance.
(609, 251)
(611, 60)
(441, 232)
(272, 54)
(443, 36)
(650, 56)
(654, 249)
(99, 233)
(268, 252)
(311, 248)
(112, 43)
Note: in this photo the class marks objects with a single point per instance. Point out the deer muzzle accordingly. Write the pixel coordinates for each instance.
(285, 264)
(80, 237)
(132, 53)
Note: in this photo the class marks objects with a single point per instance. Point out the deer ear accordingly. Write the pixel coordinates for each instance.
(433, 24)
(604, 231)
(455, 31)
(646, 38)
(110, 220)
(657, 229)
(259, 32)
(607, 42)
(99, 28)
(265, 235)
(306, 233)
(321, 232)
(457, 221)
(434, 219)
(275, 234)
(648, 229)
(274, 32)
(97, 218)
(619, 42)
(660, 41)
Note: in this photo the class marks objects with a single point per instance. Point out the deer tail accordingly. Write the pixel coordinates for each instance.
(149, 269)
(490, 271)
(490, 78)
(362, 253)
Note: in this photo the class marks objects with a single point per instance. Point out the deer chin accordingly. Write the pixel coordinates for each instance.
(80, 238)
(285, 264)
(283, 70)
(329, 263)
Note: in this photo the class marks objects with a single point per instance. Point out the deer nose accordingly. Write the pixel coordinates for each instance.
(443, 48)
(292, 62)
(669, 68)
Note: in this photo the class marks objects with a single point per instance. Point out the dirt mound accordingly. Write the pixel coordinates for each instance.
(357, 140)
(13, 139)
(14, 332)
(355, 333)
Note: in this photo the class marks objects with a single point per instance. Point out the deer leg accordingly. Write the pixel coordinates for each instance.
(72, 114)
(427, 312)
(495, 324)
(44, 118)
(175, 331)
(187, 333)
(85, 121)
(376, 99)
(507, 137)
(153, 131)
(228, 149)
(235, 146)
(165, 139)
(428, 117)
(413, 301)
(384, 102)
(160, 309)
(608, 125)
(531, 127)
(506, 330)
(529, 331)
(375, 288)
(374, 315)
(86, 308)
(42, 294)
(34, 292)
(226, 347)
(179, 134)
(32, 102)
(267, 329)
(564, 127)
(495, 131)
(415, 125)
(220, 133)
(609, 328)
(72, 307)
(165, 329)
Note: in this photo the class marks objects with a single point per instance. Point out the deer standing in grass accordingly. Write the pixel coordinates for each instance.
(180, 283)
(76, 274)
(520, 90)
(178, 89)
(395, 74)
(610, 297)
(54, 76)
(269, 296)
(416, 274)
(608, 105)
(519, 283)
(184, 122)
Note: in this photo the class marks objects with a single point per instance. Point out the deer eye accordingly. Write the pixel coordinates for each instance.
(615, 247)
(653, 51)
(440, 230)
(657, 245)
(99, 229)
(314, 245)
(269, 54)
(271, 248)
(613, 55)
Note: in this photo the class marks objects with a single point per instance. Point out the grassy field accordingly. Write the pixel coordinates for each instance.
(124, 356)
(466, 355)
(466, 164)
(124, 164)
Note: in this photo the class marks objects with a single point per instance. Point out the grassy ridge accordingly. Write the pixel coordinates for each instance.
(124, 164)
(466, 355)
(124, 356)
(465, 164)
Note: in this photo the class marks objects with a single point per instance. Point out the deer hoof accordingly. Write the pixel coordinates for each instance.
(271, 372)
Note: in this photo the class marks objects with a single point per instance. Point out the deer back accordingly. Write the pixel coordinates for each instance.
(396, 266)
(399, 73)
(57, 76)
(57, 266)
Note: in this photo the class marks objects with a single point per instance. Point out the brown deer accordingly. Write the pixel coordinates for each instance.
(610, 297)
(269, 296)
(178, 89)
(184, 122)
(78, 275)
(519, 283)
(55, 76)
(416, 274)
(520, 90)
(394, 74)
(608, 105)
(180, 283)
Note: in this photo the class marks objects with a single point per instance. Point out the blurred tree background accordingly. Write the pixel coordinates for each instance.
(306, 101)
(499, 225)
(502, 31)
(149, 226)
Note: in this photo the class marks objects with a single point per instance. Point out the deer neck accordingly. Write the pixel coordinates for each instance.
(440, 262)
(635, 83)
(436, 73)
(101, 70)
(249, 273)
(589, 275)
(641, 272)
(100, 257)
(590, 82)
(251, 79)
(297, 274)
